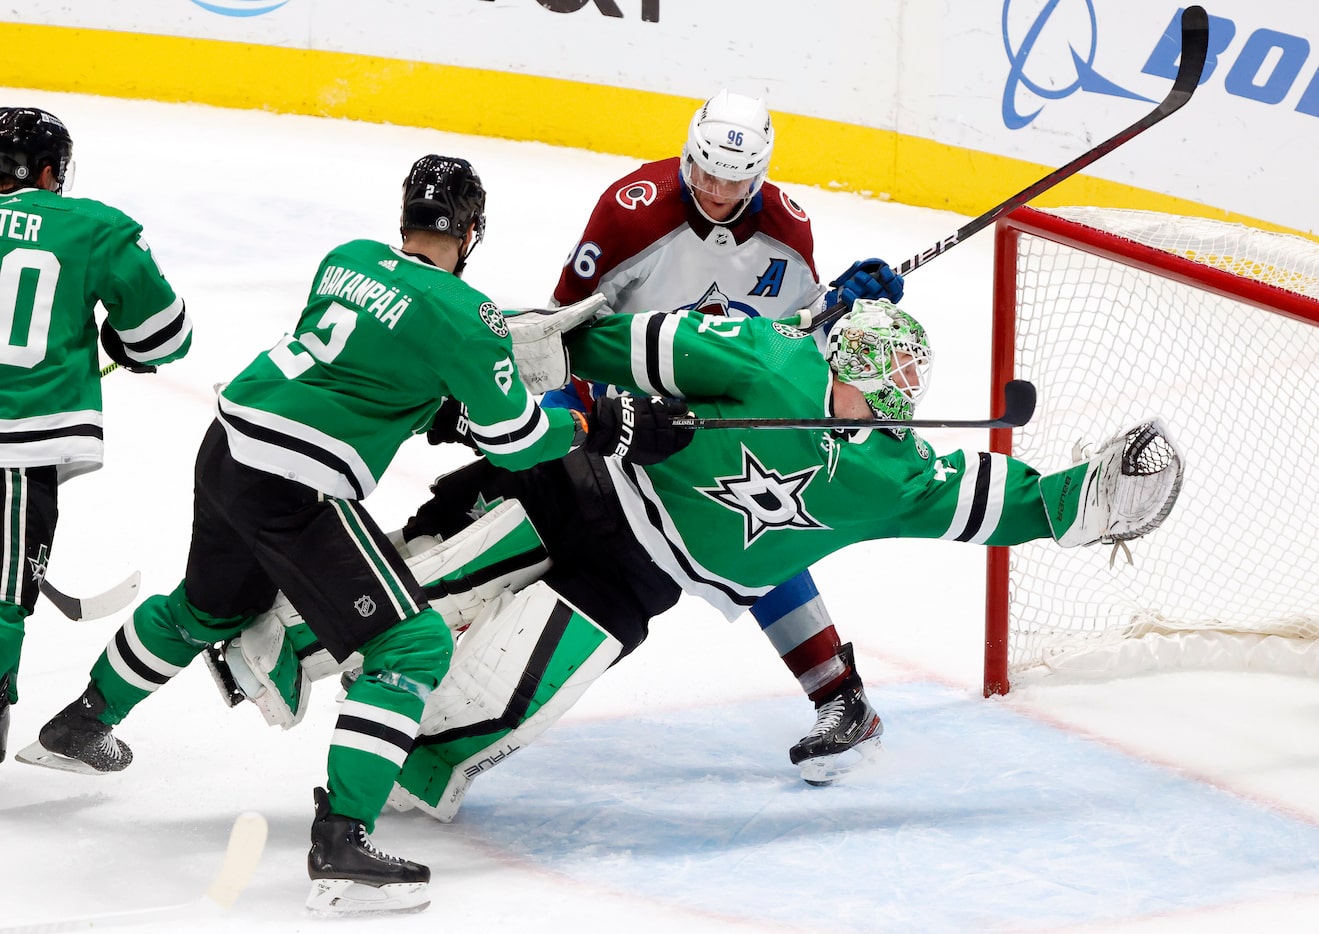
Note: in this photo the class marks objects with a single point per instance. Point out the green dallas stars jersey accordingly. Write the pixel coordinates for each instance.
(384, 338)
(59, 257)
(739, 511)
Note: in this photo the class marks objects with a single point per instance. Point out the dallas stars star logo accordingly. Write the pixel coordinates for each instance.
(766, 498)
(483, 506)
(39, 564)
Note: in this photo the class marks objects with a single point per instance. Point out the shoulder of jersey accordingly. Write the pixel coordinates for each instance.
(642, 206)
(90, 208)
(784, 219)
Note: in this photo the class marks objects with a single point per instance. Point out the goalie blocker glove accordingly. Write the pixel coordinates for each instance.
(636, 429)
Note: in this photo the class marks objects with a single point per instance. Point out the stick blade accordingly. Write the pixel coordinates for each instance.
(1018, 403)
(247, 841)
(97, 606)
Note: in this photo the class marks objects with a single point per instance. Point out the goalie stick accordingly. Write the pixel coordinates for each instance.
(247, 841)
(1195, 47)
(1018, 407)
(97, 605)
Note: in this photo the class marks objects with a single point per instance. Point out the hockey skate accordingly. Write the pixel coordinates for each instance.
(77, 741)
(846, 732)
(350, 876)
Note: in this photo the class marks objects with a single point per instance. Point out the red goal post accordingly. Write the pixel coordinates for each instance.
(1117, 316)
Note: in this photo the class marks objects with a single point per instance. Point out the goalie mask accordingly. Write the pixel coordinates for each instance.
(726, 156)
(30, 140)
(445, 194)
(885, 353)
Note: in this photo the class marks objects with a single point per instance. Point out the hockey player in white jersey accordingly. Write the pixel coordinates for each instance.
(705, 231)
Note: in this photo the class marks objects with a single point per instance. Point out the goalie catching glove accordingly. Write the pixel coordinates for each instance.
(1122, 492)
(537, 335)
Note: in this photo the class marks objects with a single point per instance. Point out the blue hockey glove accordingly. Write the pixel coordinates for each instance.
(867, 278)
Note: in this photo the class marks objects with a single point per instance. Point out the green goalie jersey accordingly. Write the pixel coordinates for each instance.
(59, 258)
(384, 338)
(739, 511)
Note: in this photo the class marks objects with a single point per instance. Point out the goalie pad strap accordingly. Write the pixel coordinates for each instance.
(514, 673)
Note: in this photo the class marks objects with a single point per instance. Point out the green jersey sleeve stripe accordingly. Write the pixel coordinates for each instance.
(652, 352)
(162, 335)
(157, 322)
(513, 434)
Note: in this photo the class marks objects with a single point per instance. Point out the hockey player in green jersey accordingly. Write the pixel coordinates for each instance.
(59, 258)
(731, 516)
(300, 437)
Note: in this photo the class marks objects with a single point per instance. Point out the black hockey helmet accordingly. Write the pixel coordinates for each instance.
(444, 193)
(30, 140)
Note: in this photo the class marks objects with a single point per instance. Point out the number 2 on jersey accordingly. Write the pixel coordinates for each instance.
(338, 319)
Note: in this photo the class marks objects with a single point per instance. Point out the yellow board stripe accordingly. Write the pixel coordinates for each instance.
(471, 101)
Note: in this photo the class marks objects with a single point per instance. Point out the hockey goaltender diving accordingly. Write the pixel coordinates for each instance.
(558, 578)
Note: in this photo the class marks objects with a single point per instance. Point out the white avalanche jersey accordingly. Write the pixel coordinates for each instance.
(646, 248)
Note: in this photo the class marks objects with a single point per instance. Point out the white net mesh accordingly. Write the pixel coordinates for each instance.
(1108, 345)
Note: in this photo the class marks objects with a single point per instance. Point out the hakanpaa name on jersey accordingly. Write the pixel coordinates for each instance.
(59, 258)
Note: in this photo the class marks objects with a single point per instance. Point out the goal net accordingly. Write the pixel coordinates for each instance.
(1117, 316)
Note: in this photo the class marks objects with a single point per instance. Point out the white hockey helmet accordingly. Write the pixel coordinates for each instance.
(731, 137)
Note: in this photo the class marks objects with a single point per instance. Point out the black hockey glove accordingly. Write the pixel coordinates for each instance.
(114, 349)
(451, 425)
(636, 429)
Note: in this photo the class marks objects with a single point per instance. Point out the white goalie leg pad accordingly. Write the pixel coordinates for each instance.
(537, 335)
(1122, 492)
(319, 664)
(266, 669)
(498, 553)
(514, 673)
(479, 567)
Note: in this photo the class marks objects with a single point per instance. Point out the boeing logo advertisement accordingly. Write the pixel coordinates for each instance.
(240, 7)
(1258, 63)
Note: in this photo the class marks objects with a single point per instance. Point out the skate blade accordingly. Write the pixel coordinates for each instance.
(37, 754)
(825, 770)
(338, 898)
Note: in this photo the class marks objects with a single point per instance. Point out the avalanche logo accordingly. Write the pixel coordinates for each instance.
(241, 7)
(1052, 47)
(766, 499)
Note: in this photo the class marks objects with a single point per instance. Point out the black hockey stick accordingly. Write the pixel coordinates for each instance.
(1018, 407)
(97, 605)
(1195, 46)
